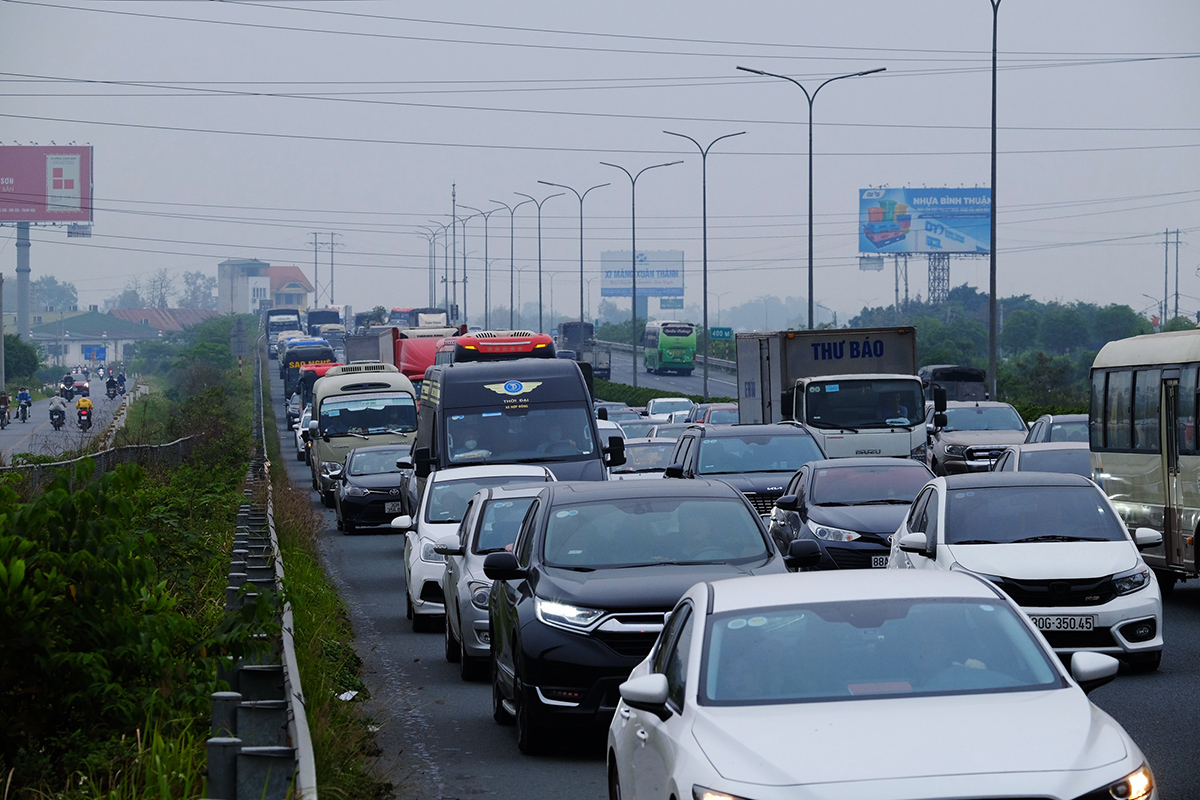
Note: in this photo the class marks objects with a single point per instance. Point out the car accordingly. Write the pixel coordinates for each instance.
(1056, 545)
(1058, 428)
(81, 384)
(582, 596)
(668, 430)
(441, 510)
(292, 409)
(644, 458)
(298, 431)
(608, 406)
(852, 685)
(371, 488)
(637, 428)
(490, 525)
(609, 428)
(757, 459)
(972, 437)
(720, 414)
(660, 408)
(849, 506)
(696, 413)
(568, 354)
(1073, 457)
(619, 415)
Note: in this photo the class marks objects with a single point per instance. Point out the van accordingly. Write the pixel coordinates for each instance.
(522, 411)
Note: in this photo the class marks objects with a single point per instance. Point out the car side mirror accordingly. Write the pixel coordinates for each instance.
(1145, 538)
(614, 454)
(789, 502)
(422, 462)
(602, 413)
(647, 693)
(404, 522)
(801, 554)
(939, 420)
(1093, 670)
(448, 549)
(939, 399)
(502, 567)
(313, 426)
(404, 463)
(913, 543)
(674, 471)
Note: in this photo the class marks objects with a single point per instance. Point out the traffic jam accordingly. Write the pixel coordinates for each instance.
(970, 577)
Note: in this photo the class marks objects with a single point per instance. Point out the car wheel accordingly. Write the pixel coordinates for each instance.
(530, 738)
(1146, 663)
(452, 651)
(338, 524)
(499, 713)
(408, 609)
(614, 782)
(348, 526)
(327, 499)
(299, 455)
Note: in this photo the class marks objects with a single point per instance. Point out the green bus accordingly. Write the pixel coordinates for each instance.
(670, 347)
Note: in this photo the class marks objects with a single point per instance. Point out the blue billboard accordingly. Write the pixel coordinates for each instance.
(95, 352)
(924, 220)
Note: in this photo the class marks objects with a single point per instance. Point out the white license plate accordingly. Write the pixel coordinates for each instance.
(394, 508)
(879, 562)
(1063, 622)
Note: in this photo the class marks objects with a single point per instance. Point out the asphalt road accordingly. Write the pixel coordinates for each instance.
(39, 437)
(438, 739)
(720, 384)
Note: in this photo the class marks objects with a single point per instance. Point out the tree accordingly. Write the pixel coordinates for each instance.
(1063, 329)
(199, 291)
(21, 359)
(1021, 331)
(159, 289)
(378, 316)
(129, 297)
(47, 293)
(1116, 322)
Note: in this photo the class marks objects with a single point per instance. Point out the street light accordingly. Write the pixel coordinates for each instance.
(704, 214)
(464, 221)
(633, 252)
(445, 265)
(538, 203)
(719, 296)
(431, 236)
(582, 319)
(812, 97)
(1159, 305)
(520, 277)
(486, 296)
(512, 210)
(589, 291)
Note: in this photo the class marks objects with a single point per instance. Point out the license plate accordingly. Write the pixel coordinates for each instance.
(1063, 623)
(394, 508)
(879, 562)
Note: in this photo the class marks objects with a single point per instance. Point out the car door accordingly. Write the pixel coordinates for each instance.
(452, 573)
(656, 748)
(503, 605)
(917, 521)
(785, 525)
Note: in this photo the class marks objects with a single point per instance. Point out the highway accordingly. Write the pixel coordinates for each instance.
(720, 384)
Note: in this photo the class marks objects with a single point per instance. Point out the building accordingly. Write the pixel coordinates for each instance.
(90, 338)
(247, 286)
(163, 319)
(289, 287)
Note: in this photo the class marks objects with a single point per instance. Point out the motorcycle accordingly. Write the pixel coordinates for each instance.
(68, 392)
(3, 417)
(85, 419)
(58, 418)
(121, 388)
(112, 393)
(23, 410)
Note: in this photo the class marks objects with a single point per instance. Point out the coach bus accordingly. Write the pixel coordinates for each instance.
(494, 346)
(669, 347)
(1145, 455)
(418, 318)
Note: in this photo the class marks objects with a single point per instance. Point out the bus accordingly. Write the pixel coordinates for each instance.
(670, 347)
(309, 374)
(298, 353)
(1145, 455)
(494, 346)
(419, 318)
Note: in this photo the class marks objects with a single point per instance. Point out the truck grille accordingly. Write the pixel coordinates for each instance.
(984, 452)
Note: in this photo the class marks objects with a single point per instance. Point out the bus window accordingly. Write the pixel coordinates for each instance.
(1187, 411)
(1096, 417)
(1147, 389)
(1118, 433)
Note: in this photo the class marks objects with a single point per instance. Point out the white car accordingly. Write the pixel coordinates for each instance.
(447, 492)
(1054, 543)
(660, 409)
(298, 430)
(862, 685)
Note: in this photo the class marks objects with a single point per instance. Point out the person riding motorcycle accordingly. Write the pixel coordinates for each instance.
(121, 380)
(58, 406)
(111, 385)
(24, 399)
(83, 403)
(4, 406)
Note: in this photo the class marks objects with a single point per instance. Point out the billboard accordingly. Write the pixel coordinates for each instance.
(45, 184)
(659, 273)
(924, 220)
(95, 352)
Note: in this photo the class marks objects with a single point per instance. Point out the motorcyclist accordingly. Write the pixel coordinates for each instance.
(83, 403)
(4, 405)
(121, 380)
(111, 385)
(24, 399)
(58, 405)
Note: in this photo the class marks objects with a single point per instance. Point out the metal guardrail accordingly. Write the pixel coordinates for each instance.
(173, 454)
(720, 364)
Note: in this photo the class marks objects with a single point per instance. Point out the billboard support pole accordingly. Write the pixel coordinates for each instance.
(23, 280)
(2, 373)
(992, 245)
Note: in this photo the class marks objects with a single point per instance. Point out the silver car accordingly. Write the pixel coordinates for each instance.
(490, 525)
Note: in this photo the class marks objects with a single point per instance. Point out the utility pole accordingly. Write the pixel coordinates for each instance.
(316, 284)
(332, 244)
(1177, 272)
(453, 253)
(1166, 271)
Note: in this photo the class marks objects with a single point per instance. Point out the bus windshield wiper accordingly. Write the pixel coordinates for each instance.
(974, 541)
(348, 433)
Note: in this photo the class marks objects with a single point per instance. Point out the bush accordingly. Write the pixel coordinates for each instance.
(623, 393)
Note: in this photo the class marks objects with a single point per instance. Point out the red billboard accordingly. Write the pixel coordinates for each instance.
(45, 184)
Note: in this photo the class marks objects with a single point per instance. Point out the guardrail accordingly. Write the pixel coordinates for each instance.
(261, 747)
(720, 364)
(173, 454)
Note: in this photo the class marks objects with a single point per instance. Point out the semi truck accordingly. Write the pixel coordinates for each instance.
(580, 337)
(411, 350)
(855, 389)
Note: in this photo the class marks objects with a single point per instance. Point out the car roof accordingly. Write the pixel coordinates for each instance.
(983, 480)
(867, 461)
(1065, 417)
(508, 492)
(636, 440)
(846, 585)
(750, 428)
(974, 403)
(586, 491)
(488, 471)
(1035, 447)
(375, 448)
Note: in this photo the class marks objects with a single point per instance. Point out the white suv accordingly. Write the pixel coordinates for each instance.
(447, 492)
(1055, 544)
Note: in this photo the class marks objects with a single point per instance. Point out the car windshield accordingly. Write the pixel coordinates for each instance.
(732, 455)
(500, 522)
(852, 486)
(637, 428)
(378, 412)
(669, 405)
(672, 432)
(723, 416)
(1018, 514)
(642, 531)
(864, 649)
(448, 499)
(375, 462)
(1069, 431)
(646, 457)
(622, 414)
(547, 432)
(863, 403)
(983, 418)
(1075, 461)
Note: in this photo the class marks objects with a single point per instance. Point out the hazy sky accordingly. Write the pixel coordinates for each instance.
(235, 129)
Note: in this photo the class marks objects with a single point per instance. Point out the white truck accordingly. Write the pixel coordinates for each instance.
(855, 389)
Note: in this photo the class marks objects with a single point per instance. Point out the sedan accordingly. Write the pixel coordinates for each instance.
(644, 458)
(637, 428)
(1072, 457)
(849, 506)
(773, 688)
(369, 489)
(1056, 545)
(298, 431)
(1058, 428)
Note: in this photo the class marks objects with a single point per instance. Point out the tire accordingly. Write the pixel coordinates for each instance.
(531, 740)
(614, 781)
(300, 455)
(1149, 663)
(348, 526)
(408, 609)
(452, 647)
(499, 714)
(423, 623)
(327, 499)
(338, 524)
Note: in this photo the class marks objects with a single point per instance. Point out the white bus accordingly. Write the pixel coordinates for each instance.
(1145, 454)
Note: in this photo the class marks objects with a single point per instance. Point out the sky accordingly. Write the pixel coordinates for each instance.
(238, 129)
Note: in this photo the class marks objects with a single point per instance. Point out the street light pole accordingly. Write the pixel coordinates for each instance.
(431, 235)
(445, 266)
(582, 318)
(992, 366)
(512, 210)
(486, 296)
(538, 203)
(704, 216)
(633, 252)
(719, 296)
(520, 277)
(811, 98)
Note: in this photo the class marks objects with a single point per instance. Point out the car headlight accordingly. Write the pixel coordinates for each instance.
(1137, 785)
(956, 449)
(831, 534)
(427, 553)
(561, 615)
(704, 793)
(1131, 580)
(350, 490)
(480, 590)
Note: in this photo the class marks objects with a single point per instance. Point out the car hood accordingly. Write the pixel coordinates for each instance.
(881, 520)
(756, 482)
(1046, 560)
(658, 587)
(981, 437)
(590, 469)
(931, 738)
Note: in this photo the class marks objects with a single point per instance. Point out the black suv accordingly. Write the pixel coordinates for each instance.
(581, 598)
(758, 460)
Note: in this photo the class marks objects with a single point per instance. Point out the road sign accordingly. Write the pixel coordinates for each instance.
(721, 334)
